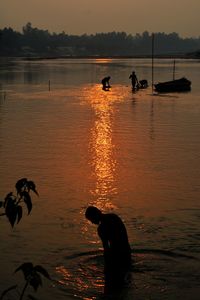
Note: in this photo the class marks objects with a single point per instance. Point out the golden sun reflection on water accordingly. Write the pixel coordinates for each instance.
(81, 279)
(102, 147)
(103, 60)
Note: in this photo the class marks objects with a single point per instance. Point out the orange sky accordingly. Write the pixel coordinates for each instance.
(90, 16)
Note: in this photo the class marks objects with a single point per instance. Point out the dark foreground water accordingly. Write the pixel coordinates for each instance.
(136, 154)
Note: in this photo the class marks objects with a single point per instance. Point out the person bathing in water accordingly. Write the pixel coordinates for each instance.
(105, 83)
(117, 251)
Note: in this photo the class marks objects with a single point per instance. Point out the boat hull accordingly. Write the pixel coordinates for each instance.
(178, 85)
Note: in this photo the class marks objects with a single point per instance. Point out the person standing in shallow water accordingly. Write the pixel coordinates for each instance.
(134, 80)
(117, 251)
(105, 83)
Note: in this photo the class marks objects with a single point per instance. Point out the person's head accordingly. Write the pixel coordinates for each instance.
(93, 214)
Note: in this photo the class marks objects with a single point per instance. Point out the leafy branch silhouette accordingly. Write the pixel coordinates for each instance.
(32, 275)
(12, 203)
(13, 210)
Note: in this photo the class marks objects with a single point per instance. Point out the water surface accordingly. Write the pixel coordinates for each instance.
(136, 154)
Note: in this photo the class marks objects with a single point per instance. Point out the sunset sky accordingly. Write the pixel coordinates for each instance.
(90, 16)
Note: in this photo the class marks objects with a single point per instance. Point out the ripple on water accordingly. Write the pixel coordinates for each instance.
(155, 273)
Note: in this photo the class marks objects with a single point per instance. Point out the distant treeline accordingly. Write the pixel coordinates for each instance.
(34, 42)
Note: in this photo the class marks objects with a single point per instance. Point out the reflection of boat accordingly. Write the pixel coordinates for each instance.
(177, 85)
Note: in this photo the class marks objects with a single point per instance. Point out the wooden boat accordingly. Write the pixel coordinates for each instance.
(176, 85)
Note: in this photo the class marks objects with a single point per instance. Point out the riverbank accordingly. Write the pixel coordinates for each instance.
(161, 56)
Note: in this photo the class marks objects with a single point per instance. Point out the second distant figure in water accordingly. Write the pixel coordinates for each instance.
(134, 80)
(117, 251)
(105, 83)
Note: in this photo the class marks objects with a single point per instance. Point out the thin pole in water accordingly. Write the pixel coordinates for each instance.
(152, 62)
(174, 66)
(49, 85)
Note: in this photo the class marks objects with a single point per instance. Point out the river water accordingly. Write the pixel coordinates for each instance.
(135, 154)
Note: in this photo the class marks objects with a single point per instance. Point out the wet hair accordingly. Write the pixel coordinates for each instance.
(93, 214)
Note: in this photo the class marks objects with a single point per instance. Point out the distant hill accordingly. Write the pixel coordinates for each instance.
(34, 42)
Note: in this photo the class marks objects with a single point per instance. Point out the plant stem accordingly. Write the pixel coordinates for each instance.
(24, 289)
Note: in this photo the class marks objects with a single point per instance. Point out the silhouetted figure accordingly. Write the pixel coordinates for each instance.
(105, 83)
(134, 81)
(117, 251)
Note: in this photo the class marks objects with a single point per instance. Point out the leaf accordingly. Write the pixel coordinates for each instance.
(31, 186)
(8, 290)
(9, 204)
(8, 197)
(1, 204)
(42, 271)
(11, 211)
(27, 201)
(26, 268)
(19, 213)
(35, 281)
(21, 183)
(12, 217)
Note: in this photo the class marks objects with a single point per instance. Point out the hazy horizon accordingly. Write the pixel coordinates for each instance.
(76, 17)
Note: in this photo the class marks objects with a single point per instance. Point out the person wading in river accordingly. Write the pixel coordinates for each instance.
(117, 251)
(105, 83)
(134, 81)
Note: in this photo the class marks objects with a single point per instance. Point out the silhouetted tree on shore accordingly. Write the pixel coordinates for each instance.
(37, 42)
